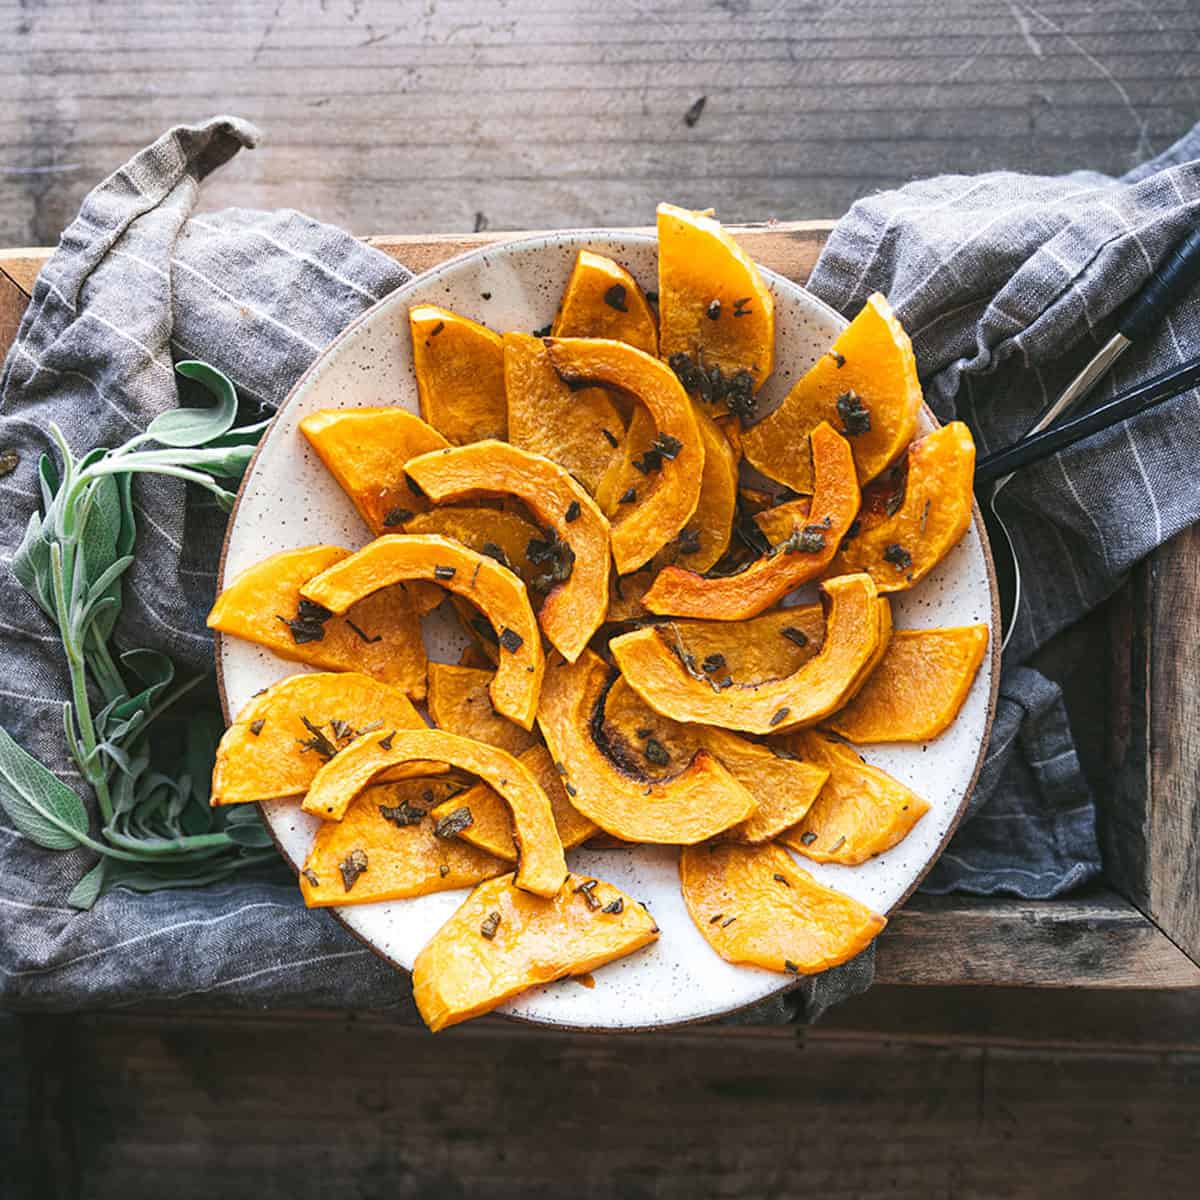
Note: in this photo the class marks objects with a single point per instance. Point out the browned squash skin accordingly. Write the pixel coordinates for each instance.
(602, 300)
(459, 702)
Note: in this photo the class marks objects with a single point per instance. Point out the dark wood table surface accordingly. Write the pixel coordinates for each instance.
(458, 115)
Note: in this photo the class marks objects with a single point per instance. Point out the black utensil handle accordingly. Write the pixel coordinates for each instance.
(1127, 404)
(1175, 276)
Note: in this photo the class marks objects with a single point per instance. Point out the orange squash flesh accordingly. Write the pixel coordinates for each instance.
(770, 646)
(755, 906)
(767, 580)
(339, 781)
(491, 822)
(459, 702)
(622, 474)
(898, 551)
(602, 300)
(852, 634)
(460, 375)
(365, 450)
(873, 360)
(397, 859)
(574, 609)
(462, 973)
(860, 812)
(263, 754)
(698, 802)
(380, 636)
(493, 589)
(663, 506)
(699, 264)
(573, 429)
(918, 687)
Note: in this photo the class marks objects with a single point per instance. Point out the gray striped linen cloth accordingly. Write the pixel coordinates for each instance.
(138, 281)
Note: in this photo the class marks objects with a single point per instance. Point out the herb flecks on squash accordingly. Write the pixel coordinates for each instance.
(503, 941)
(459, 702)
(492, 588)
(602, 300)
(866, 386)
(542, 866)
(771, 913)
(380, 636)
(770, 646)
(573, 551)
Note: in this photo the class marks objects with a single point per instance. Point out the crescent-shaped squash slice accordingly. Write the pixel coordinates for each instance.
(701, 800)
(365, 450)
(917, 688)
(503, 941)
(493, 589)
(459, 702)
(280, 739)
(713, 304)
(799, 558)
(542, 866)
(853, 630)
(861, 811)
(574, 562)
(460, 375)
(755, 906)
(912, 518)
(380, 635)
(770, 646)
(603, 300)
(622, 474)
(386, 848)
(866, 386)
(659, 510)
(574, 429)
(491, 826)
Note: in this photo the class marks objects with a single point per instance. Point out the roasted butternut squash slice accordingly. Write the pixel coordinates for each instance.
(701, 800)
(802, 556)
(755, 906)
(573, 556)
(542, 866)
(281, 738)
(380, 635)
(493, 589)
(861, 811)
(770, 646)
(603, 300)
(491, 826)
(365, 450)
(577, 429)
(918, 687)
(459, 702)
(913, 517)
(622, 474)
(661, 509)
(866, 386)
(460, 375)
(853, 630)
(387, 847)
(503, 941)
(713, 304)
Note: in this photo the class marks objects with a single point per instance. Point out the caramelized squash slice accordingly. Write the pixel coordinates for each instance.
(365, 450)
(866, 386)
(386, 848)
(918, 687)
(660, 509)
(493, 589)
(602, 300)
(622, 474)
(696, 803)
(542, 866)
(575, 561)
(459, 702)
(794, 561)
(380, 635)
(503, 941)
(755, 906)
(929, 501)
(861, 811)
(855, 625)
(770, 646)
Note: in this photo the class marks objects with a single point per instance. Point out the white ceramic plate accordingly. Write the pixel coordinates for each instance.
(289, 500)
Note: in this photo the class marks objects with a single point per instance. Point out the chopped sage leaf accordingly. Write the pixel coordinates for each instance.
(781, 715)
(511, 640)
(615, 297)
(490, 924)
(454, 823)
(256, 727)
(352, 866)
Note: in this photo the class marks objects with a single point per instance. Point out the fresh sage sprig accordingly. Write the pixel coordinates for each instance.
(155, 827)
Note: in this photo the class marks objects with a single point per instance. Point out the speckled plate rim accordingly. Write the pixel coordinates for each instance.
(424, 279)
